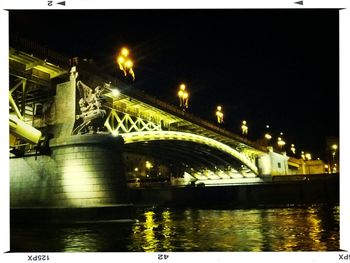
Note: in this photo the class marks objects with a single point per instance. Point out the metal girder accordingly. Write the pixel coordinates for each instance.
(19, 113)
(31, 62)
(118, 122)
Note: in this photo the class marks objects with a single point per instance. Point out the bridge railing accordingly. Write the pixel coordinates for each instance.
(188, 116)
(38, 50)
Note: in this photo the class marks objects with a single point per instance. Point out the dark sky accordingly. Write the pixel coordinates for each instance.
(276, 67)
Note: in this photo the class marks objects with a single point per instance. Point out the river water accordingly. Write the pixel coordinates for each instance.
(303, 228)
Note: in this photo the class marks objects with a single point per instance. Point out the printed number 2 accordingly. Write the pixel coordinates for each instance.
(49, 3)
(162, 256)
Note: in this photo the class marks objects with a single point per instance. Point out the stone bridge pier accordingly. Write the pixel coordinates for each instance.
(81, 170)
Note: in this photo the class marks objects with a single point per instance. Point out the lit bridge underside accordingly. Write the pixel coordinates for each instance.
(145, 136)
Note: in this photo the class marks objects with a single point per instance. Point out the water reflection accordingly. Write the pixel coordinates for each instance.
(279, 229)
(79, 240)
(313, 228)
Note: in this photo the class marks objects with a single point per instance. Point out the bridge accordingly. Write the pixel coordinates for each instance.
(56, 103)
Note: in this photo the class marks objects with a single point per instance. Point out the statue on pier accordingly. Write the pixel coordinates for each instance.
(90, 104)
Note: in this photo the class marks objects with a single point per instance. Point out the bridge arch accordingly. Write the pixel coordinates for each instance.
(143, 136)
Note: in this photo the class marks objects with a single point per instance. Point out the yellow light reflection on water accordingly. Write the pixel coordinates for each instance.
(166, 231)
(275, 229)
(80, 240)
(315, 228)
(151, 241)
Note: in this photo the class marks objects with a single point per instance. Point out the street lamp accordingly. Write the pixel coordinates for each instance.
(335, 168)
(125, 63)
(334, 151)
(219, 114)
(267, 135)
(280, 141)
(308, 156)
(183, 96)
(115, 93)
(148, 165)
(334, 147)
(244, 128)
(292, 148)
(326, 167)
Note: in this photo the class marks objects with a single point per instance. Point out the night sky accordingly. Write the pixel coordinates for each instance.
(276, 67)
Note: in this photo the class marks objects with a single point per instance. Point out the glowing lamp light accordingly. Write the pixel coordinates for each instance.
(125, 63)
(292, 148)
(308, 156)
(183, 96)
(219, 114)
(244, 128)
(280, 142)
(334, 147)
(268, 136)
(115, 133)
(115, 92)
(128, 63)
(121, 60)
(125, 52)
(148, 165)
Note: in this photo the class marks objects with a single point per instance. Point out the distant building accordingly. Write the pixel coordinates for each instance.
(300, 166)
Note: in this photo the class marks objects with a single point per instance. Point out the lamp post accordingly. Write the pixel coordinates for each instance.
(267, 135)
(244, 128)
(292, 148)
(183, 97)
(125, 63)
(326, 167)
(308, 156)
(334, 148)
(280, 141)
(219, 114)
(148, 166)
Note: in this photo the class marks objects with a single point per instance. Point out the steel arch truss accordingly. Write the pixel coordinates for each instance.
(118, 122)
(134, 137)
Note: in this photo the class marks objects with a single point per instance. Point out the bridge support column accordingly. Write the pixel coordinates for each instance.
(264, 165)
(65, 106)
(82, 171)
